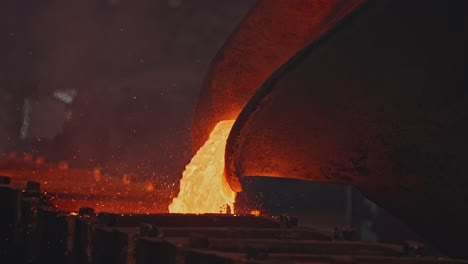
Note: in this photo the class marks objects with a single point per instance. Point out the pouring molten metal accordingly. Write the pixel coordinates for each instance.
(203, 188)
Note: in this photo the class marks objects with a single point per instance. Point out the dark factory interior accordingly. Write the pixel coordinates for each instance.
(233, 131)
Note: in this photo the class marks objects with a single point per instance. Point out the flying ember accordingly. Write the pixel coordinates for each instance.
(203, 188)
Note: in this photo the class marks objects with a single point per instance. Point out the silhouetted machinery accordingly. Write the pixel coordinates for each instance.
(32, 231)
(365, 93)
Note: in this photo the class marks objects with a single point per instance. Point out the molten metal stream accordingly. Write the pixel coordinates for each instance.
(203, 188)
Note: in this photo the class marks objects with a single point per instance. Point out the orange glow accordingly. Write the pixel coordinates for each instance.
(97, 174)
(75, 188)
(255, 212)
(126, 179)
(40, 161)
(203, 188)
(149, 187)
(63, 165)
(27, 157)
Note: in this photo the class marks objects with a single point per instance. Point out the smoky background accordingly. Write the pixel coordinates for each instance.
(108, 83)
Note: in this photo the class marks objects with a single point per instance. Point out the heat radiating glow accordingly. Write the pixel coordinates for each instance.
(255, 212)
(203, 188)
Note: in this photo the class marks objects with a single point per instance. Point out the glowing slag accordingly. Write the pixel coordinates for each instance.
(203, 188)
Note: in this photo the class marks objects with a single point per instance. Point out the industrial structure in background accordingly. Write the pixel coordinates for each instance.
(322, 95)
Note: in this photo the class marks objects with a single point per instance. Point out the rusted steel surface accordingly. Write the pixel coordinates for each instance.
(378, 103)
(269, 35)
